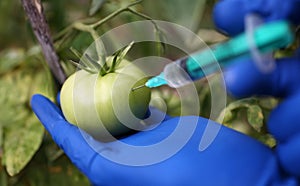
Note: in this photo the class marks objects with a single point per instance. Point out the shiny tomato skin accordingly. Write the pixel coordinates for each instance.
(105, 106)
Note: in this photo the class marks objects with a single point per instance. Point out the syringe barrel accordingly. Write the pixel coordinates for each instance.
(267, 38)
(176, 74)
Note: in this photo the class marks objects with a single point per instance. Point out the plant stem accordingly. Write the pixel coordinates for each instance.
(91, 29)
(144, 17)
(99, 49)
(114, 14)
(34, 11)
(95, 36)
(159, 33)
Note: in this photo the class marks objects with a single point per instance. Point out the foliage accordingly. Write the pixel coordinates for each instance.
(249, 116)
(21, 132)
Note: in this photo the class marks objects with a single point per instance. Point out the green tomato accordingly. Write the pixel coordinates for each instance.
(105, 106)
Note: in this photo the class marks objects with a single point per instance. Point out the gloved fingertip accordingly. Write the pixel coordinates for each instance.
(45, 110)
(36, 99)
(283, 122)
(288, 154)
(229, 17)
(240, 79)
(245, 79)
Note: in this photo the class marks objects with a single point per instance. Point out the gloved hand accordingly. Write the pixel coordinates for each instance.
(244, 79)
(232, 158)
(229, 14)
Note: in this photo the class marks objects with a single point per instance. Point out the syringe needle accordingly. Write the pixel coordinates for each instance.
(138, 87)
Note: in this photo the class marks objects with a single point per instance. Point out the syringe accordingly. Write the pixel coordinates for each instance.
(267, 38)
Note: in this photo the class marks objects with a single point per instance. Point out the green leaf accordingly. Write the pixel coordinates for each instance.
(114, 62)
(44, 84)
(22, 132)
(123, 53)
(93, 64)
(10, 59)
(76, 53)
(268, 139)
(80, 66)
(14, 97)
(268, 103)
(234, 111)
(255, 117)
(21, 141)
(95, 6)
(228, 116)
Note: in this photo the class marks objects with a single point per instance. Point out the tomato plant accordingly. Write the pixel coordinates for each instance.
(100, 100)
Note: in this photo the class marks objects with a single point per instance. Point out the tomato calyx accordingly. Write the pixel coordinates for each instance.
(93, 66)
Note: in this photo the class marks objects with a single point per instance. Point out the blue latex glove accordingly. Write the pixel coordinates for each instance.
(232, 159)
(229, 14)
(245, 79)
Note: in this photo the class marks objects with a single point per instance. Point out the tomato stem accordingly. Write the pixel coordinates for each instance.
(114, 62)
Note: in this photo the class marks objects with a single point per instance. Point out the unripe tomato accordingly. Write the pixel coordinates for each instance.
(102, 104)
